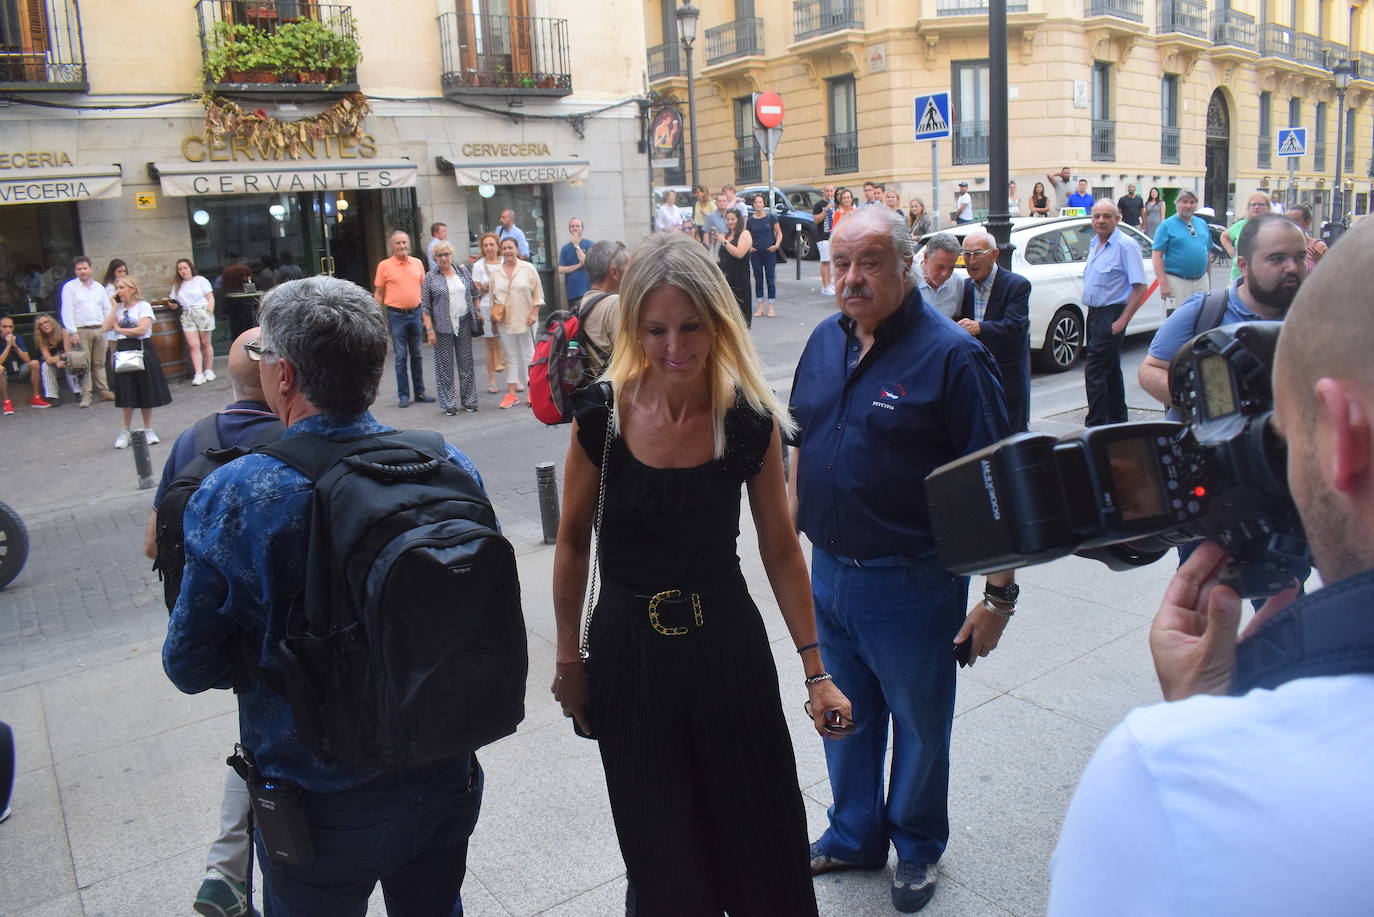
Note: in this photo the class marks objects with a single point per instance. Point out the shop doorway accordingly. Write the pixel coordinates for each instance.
(1216, 190)
(533, 214)
(37, 244)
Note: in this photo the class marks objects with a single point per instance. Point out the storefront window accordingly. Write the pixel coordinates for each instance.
(37, 244)
(532, 206)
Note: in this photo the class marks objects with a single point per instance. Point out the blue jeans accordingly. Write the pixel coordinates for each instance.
(765, 267)
(406, 332)
(407, 830)
(887, 632)
(1102, 367)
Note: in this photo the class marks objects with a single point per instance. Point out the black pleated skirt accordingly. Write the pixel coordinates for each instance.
(146, 389)
(699, 763)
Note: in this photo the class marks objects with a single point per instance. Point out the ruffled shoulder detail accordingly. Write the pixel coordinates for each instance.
(748, 434)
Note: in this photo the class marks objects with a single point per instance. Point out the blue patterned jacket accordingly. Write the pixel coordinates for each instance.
(246, 544)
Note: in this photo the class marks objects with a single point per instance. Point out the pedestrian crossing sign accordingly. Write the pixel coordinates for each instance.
(932, 116)
(1292, 141)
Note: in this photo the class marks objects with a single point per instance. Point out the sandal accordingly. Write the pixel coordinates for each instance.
(493, 389)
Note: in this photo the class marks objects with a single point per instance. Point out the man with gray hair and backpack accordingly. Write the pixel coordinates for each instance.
(349, 582)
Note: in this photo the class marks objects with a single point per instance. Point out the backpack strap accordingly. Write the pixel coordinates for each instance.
(205, 435)
(583, 312)
(313, 455)
(1212, 312)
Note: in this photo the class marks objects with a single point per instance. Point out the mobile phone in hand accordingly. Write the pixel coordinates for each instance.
(963, 652)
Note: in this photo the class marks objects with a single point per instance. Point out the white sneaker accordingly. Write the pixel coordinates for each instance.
(150, 437)
(199, 379)
(209, 375)
(122, 440)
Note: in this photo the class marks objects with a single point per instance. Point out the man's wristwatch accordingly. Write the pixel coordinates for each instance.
(1008, 593)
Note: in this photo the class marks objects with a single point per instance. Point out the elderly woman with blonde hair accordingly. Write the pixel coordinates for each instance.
(673, 673)
(448, 308)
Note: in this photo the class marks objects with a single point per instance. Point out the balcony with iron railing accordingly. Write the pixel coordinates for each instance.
(811, 18)
(748, 165)
(1311, 51)
(970, 142)
(1231, 28)
(733, 40)
(1277, 41)
(42, 48)
(975, 7)
(1168, 145)
(842, 153)
(1264, 154)
(665, 61)
(1134, 10)
(1186, 17)
(483, 54)
(1104, 141)
(1333, 52)
(1363, 64)
(283, 47)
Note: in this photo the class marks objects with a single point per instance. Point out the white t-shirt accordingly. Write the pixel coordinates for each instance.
(964, 205)
(136, 313)
(668, 219)
(457, 299)
(480, 274)
(193, 293)
(1258, 806)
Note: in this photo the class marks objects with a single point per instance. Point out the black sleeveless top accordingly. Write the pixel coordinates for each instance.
(670, 528)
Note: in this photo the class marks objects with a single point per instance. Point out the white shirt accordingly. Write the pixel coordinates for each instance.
(947, 299)
(480, 274)
(83, 304)
(964, 204)
(668, 218)
(136, 313)
(1259, 806)
(457, 299)
(193, 293)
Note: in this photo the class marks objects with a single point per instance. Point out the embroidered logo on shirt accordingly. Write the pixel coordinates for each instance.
(889, 392)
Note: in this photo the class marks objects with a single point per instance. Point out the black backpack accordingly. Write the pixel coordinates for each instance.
(210, 454)
(406, 642)
(1212, 312)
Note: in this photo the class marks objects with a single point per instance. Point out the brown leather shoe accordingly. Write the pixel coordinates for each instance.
(107, 395)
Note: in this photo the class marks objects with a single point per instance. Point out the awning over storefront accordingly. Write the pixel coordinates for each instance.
(182, 179)
(45, 186)
(519, 173)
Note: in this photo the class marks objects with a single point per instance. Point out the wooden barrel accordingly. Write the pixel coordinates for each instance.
(170, 344)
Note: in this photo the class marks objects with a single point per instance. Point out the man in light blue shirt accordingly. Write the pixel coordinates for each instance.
(1113, 289)
(935, 278)
(1182, 245)
(509, 230)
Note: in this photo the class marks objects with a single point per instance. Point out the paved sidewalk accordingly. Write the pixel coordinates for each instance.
(119, 774)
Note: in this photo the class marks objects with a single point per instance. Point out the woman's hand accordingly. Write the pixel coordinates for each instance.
(430, 337)
(825, 697)
(570, 689)
(531, 319)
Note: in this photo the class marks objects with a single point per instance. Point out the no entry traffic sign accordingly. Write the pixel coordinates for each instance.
(768, 109)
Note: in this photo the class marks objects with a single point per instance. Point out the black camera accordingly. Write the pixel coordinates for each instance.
(1127, 493)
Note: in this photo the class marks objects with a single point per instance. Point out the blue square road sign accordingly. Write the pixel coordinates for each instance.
(1292, 141)
(932, 116)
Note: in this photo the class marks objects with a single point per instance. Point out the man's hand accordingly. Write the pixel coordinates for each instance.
(1193, 637)
(969, 325)
(982, 627)
(72, 341)
(1315, 249)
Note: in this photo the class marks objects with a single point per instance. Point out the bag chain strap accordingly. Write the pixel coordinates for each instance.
(596, 525)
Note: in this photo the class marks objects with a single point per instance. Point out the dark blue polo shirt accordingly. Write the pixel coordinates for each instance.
(870, 431)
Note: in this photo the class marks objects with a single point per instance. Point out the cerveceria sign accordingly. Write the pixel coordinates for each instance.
(48, 176)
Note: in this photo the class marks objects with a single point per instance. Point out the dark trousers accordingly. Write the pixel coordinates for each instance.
(1102, 367)
(408, 831)
(765, 270)
(405, 342)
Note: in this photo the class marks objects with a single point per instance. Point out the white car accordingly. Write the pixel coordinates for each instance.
(1050, 253)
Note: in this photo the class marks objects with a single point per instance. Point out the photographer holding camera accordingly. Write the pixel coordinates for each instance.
(1271, 254)
(1256, 803)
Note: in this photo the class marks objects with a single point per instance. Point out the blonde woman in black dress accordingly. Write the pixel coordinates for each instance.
(679, 686)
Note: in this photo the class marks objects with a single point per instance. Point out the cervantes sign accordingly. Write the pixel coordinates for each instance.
(193, 180)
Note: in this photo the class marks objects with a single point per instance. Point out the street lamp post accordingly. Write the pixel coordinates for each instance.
(1341, 72)
(999, 221)
(687, 16)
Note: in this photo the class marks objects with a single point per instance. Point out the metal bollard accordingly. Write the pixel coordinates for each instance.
(548, 500)
(142, 463)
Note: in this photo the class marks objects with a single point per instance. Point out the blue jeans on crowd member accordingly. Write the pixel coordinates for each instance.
(1102, 367)
(406, 332)
(886, 628)
(765, 267)
(408, 831)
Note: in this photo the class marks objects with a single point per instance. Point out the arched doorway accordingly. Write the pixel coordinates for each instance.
(1216, 190)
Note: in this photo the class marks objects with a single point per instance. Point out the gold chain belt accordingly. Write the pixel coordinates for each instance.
(678, 631)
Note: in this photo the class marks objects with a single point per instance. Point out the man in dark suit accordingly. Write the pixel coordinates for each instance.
(996, 310)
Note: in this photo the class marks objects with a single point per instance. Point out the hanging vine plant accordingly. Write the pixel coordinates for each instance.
(226, 118)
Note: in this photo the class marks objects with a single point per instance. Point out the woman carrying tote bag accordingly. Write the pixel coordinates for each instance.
(138, 380)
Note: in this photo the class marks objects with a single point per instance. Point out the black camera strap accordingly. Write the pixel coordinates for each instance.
(1330, 632)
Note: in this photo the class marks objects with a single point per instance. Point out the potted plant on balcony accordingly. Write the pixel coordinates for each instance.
(302, 49)
(238, 53)
(342, 52)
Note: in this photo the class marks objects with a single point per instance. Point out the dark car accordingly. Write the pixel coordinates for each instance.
(792, 204)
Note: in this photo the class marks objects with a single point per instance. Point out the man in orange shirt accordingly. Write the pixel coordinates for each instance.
(397, 289)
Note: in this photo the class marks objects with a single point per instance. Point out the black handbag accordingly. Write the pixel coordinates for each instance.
(596, 550)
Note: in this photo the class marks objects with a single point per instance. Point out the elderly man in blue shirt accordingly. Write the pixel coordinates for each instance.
(1113, 290)
(320, 354)
(885, 392)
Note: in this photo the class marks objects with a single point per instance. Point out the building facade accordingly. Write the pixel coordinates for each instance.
(286, 128)
(1156, 93)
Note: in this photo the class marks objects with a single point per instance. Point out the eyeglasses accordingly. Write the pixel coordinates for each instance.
(443, 254)
(1191, 231)
(256, 351)
(977, 252)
